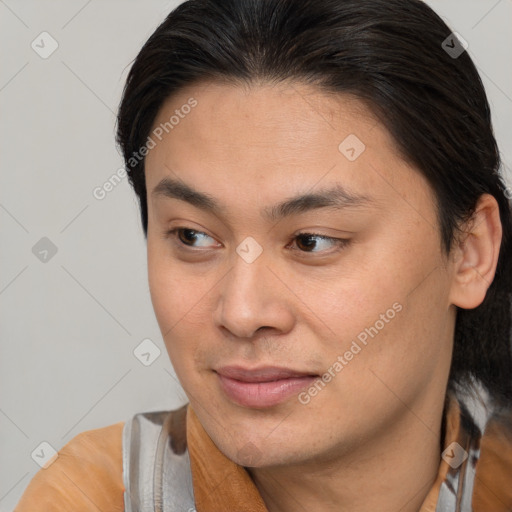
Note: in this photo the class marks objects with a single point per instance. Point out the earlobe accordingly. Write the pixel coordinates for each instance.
(476, 256)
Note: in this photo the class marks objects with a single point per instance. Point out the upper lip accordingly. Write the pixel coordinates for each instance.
(261, 374)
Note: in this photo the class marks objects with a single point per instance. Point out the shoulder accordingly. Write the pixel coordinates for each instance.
(86, 475)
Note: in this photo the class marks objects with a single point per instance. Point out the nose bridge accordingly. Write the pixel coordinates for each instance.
(247, 299)
(245, 284)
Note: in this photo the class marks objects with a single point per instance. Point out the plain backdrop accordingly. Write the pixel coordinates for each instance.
(74, 298)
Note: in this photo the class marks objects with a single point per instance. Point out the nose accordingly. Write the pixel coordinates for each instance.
(252, 297)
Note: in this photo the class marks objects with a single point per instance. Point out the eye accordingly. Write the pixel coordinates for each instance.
(308, 241)
(188, 236)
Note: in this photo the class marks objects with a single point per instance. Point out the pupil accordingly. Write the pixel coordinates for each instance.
(188, 233)
(310, 241)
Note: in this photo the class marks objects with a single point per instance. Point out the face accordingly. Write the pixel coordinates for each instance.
(345, 285)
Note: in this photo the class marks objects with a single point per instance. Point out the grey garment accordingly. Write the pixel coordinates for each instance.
(480, 415)
(156, 464)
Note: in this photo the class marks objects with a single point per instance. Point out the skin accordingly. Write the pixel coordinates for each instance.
(369, 440)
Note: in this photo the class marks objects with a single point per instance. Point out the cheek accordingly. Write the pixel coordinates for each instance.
(172, 295)
(173, 291)
(405, 340)
(354, 301)
(181, 300)
(393, 305)
(165, 290)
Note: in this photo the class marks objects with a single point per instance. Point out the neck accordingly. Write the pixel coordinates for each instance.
(394, 471)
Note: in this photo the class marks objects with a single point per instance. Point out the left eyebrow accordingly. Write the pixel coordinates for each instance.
(336, 197)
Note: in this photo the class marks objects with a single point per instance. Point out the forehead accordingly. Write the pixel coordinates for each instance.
(264, 140)
(271, 117)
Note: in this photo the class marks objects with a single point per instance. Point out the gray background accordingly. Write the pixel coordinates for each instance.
(70, 321)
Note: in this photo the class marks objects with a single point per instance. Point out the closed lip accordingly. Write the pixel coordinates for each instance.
(262, 374)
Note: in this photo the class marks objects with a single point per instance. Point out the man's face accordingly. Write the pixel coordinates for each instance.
(363, 297)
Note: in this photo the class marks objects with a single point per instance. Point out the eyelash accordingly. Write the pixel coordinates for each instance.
(340, 242)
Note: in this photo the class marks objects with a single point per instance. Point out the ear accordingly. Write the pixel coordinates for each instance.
(475, 257)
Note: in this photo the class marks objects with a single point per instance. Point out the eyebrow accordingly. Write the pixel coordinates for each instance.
(336, 197)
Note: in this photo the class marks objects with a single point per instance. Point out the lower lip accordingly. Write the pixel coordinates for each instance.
(263, 394)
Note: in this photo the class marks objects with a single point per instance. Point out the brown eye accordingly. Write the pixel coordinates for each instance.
(191, 237)
(187, 236)
(308, 242)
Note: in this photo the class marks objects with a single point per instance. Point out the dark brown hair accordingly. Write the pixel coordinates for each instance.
(390, 55)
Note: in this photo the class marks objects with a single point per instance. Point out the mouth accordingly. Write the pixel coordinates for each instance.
(262, 387)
